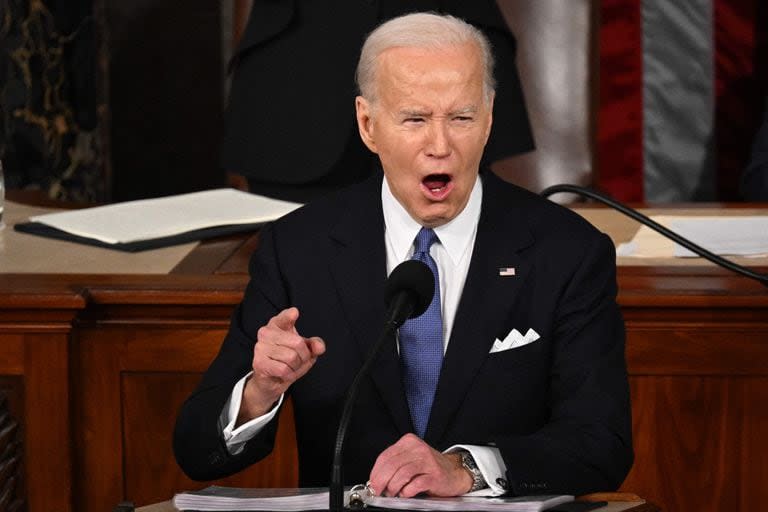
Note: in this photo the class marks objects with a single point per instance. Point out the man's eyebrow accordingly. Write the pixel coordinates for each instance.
(471, 109)
(414, 113)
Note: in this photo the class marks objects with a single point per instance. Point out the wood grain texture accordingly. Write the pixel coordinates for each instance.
(36, 316)
(150, 401)
(700, 442)
(143, 370)
(47, 420)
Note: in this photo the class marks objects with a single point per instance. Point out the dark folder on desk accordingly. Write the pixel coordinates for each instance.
(40, 229)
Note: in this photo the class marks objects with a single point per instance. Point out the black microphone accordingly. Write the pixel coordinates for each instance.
(407, 293)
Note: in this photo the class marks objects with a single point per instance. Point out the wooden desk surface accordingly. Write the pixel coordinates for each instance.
(25, 253)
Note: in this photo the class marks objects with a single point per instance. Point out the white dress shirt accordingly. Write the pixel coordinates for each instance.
(452, 254)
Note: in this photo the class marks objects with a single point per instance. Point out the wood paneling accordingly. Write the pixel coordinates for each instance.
(47, 418)
(709, 349)
(132, 380)
(699, 380)
(150, 401)
(35, 324)
(700, 442)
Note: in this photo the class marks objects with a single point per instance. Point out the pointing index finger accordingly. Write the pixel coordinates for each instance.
(286, 319)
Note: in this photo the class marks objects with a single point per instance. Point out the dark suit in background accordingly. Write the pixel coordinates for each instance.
(290, 125)
(754, 181)
(557, 408)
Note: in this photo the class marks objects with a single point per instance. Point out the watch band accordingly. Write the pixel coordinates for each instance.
(468, 463)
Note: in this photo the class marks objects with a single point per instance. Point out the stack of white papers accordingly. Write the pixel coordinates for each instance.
(295, 500)
(149, 219)
(232, 498)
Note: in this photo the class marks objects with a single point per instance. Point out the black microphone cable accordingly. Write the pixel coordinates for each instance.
(645, 220)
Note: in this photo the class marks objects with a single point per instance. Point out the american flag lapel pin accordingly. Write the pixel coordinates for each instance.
(507, 271)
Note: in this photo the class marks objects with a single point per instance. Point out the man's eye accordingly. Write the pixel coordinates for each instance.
(414, 119)
(462, 118)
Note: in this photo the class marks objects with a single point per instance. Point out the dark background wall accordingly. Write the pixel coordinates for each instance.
(165, 87)
(49, 93)
(110, 100)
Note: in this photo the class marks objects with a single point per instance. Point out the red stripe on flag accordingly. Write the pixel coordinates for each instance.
(620, 118)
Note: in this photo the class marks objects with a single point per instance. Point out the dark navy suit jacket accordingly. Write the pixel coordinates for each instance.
(557, 409)
(754, 181)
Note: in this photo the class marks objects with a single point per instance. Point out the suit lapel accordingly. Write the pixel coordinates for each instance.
(485, 303)
(359, 272)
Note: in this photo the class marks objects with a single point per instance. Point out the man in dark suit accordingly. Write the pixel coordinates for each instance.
(527, 390)
(290, 47)
(754, 180)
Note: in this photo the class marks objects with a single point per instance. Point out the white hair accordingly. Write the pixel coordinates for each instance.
(421, 30)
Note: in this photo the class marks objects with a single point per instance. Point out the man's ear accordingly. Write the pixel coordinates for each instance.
(364, 114)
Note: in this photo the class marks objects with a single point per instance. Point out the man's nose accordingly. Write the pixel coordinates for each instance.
(439, 140)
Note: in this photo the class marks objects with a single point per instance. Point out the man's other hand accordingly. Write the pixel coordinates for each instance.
(280, 357)
(410, 467)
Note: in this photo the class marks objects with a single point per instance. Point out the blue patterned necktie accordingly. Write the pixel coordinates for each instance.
(421, 344)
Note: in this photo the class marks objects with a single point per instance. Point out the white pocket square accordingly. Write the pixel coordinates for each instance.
(514, 340)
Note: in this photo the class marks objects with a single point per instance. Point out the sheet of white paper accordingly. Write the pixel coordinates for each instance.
(627, 249)
(147, 219)
(726, 236)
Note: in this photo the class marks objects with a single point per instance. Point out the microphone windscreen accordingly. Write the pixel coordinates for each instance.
(414, 278)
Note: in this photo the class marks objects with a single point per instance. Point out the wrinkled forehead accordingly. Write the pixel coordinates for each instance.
(410, 70)
(428, 58)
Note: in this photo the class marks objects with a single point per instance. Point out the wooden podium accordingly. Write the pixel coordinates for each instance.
(96, 363)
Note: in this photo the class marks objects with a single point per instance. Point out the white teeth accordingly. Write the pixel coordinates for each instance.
(438, 189)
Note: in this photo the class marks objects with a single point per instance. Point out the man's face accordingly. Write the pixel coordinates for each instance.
(429, 124)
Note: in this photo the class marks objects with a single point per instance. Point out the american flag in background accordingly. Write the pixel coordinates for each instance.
(683, 86)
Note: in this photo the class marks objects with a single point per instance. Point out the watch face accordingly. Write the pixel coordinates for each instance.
(468, 462)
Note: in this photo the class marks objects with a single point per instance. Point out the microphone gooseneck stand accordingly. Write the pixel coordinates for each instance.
(408, 293)
(643, 219)
(336, 496)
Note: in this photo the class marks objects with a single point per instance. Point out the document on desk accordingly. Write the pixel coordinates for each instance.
(153, 223)
(216, 498)
(727, 236)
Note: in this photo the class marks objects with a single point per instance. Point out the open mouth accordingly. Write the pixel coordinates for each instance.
(436, 183)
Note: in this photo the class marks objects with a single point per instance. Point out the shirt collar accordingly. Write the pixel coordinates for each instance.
(455, 236)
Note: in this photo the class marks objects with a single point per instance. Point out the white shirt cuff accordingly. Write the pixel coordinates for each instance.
(490, 464)
(235, 438)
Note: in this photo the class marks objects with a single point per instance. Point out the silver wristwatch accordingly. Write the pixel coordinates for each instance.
(468, 463)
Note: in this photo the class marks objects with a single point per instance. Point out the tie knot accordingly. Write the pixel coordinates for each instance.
(424, 240)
